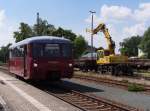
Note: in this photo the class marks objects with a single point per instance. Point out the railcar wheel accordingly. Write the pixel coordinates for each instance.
(123, 69)
(19, 77)
(111, 70)
(129, 71)
(16, 76)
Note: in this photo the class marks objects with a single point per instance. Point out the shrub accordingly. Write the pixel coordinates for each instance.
(135, 87)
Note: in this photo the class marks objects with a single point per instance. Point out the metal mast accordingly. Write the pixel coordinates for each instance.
(92, 12)
(38, 19)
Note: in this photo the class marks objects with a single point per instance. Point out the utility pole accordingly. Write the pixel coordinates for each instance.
(38, 23)
(92, 12)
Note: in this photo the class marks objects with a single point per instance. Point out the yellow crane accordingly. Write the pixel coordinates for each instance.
(111, 44)
(107, 60)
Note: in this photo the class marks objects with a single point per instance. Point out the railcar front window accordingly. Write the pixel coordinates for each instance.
(66, 50)
(52, 50)
(46, 50)
(37, 50)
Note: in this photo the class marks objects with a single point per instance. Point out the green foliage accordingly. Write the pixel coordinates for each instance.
(60, 32)
(44, 28)
(129, 46)
(145, 43)
(135, 87)
(123, 51)
(4, 53)
(24, 32)
(79, 46)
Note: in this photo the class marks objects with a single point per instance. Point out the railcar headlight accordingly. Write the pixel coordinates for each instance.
(35, 64)
(70, 65)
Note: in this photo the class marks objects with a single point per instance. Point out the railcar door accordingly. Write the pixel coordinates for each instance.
(18, 61)
(25, 60)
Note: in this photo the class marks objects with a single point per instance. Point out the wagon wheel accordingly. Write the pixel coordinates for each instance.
(100, 70)
(118, 70)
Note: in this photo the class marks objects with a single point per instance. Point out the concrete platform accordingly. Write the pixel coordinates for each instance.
(1, 104)
(21, 96)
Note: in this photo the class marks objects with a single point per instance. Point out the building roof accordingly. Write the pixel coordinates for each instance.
(90, 54)
(41, 39)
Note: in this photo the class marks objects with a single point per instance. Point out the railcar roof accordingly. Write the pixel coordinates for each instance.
(36, 39)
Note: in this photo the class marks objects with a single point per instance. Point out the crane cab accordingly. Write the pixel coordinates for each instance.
(104, 57)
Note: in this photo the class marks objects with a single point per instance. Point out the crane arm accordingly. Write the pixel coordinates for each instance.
(102, 28)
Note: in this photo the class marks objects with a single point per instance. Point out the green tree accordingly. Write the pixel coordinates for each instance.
(145, 43)
(43, 28)
(79, 46)
(68, 34)
(129, 46)
(4, 53)
(24, 32)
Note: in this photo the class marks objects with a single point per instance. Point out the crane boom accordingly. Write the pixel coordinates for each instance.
(102, 28)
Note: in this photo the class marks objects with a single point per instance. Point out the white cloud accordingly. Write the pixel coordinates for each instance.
(2, 18)
(123, 21)
(115, 12)
(109, 14)
(143, 13)
(137, 29)
(96, 19)
(6, 30)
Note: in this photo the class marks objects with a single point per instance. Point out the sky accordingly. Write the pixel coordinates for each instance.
(124, 18)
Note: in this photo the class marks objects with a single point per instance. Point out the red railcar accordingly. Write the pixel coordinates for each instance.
(42, 58)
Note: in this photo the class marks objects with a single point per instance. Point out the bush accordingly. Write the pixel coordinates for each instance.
(135, 87)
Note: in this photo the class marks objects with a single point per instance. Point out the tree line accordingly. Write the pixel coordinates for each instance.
(130, 45)
(43, 28)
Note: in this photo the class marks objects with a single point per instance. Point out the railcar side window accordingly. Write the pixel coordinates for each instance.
(17, 52)
(10, 53)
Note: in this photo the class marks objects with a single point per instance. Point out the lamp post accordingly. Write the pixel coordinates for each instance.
(92, 12)
(38, 18)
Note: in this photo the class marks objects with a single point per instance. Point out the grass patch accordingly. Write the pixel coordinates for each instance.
(135, 87)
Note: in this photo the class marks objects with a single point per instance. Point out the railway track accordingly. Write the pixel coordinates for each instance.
(83, 101)
(123, 84)
(87, 102)
(135, 76)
